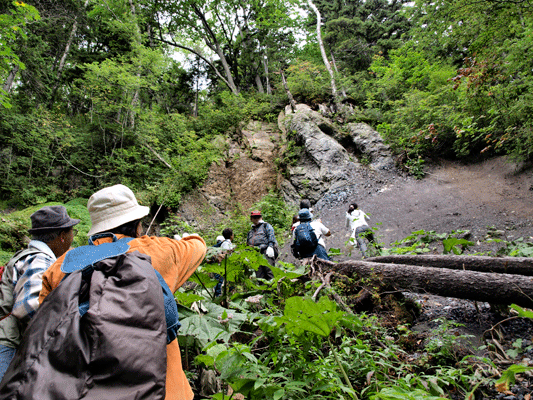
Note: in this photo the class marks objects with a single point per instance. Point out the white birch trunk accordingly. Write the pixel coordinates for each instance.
(322, 49)
(265, 64)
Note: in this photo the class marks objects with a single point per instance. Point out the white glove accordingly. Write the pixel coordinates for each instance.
(269, 252)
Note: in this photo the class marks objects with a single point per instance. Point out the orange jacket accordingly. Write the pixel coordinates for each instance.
(175, 261)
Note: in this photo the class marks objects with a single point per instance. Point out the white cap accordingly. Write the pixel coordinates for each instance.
(113, 206)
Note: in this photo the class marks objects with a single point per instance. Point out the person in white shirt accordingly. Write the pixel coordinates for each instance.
(304, 215)
(356, 221)
(228, 238)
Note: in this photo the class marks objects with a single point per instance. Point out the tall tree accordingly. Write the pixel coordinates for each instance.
(230, 36)
(13, 22)
(357, 30)
(323, 50)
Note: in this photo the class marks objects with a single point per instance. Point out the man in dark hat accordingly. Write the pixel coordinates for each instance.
(52, 232)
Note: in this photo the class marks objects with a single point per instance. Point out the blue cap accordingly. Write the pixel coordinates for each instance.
(305, 215)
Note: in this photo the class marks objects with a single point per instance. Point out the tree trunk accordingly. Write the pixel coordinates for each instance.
(66, 51)
(343, 92)
(258, 83)
(323, 50)
(213, 43)
(470, 285)
(10, 79)
(265, 64)
(137, 39)
(289, 94)
(505, 265)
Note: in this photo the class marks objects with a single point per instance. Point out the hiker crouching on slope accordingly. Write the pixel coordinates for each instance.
(52, 235)
(356, 221)
(262, 236)
(115, 209)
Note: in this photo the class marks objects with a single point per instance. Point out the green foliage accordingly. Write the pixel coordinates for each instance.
(416, 101)
(404, 394)
(290, 157)
(508, 377)
(77, 208)
(443, 343)
(308, 82)
(14, 227)
(215, 323)
(451, 245)
(12, 29)
(275, 211)
(514, 248)
(419, 242)
(304, 315)
(522, 312)
(356, 31)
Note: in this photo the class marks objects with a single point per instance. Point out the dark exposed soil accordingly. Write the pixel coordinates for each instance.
(493, 194)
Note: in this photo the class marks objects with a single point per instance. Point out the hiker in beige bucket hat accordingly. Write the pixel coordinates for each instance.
(115, 211)
(113, 206)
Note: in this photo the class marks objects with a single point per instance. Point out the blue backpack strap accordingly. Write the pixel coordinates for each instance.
(171, 310)
(83, 256)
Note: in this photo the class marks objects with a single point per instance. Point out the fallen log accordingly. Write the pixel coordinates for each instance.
(506, 265)
(470, 285)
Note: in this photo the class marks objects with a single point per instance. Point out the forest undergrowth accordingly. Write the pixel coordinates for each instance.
(301, 335)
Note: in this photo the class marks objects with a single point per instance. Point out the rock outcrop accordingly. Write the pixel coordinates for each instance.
(330, 157)
(244, 176)
(369, 144)
(328, 162)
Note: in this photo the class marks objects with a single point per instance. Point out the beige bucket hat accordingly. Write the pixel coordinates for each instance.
(113, 206)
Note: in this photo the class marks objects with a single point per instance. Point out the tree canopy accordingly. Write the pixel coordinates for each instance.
(135, 90)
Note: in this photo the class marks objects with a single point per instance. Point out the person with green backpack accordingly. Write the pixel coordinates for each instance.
(52, 233)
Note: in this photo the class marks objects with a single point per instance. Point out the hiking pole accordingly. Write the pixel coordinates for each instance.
(159, 209)
(153, 219)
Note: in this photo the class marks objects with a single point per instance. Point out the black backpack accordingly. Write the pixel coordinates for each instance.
(305, 241)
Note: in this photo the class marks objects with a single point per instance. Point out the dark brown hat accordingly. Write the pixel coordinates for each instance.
(51, 218)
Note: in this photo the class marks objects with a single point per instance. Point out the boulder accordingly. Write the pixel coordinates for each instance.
(369, 143)
(323, 162)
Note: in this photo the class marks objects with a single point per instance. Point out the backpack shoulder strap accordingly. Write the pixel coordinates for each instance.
(83, 256)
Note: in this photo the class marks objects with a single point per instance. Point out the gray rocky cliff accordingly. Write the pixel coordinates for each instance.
(326, 163)
(331, 157)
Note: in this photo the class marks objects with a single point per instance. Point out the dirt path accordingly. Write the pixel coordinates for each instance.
(490, 194)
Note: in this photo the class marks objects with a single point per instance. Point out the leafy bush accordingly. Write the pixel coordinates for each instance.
(308, 82)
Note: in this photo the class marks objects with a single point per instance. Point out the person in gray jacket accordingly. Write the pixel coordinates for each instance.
(262, 237)
(52, 233)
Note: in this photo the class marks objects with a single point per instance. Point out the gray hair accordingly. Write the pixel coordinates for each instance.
(47, 236)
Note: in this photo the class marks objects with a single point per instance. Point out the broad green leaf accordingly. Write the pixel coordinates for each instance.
(521, 312)
(305, 315)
